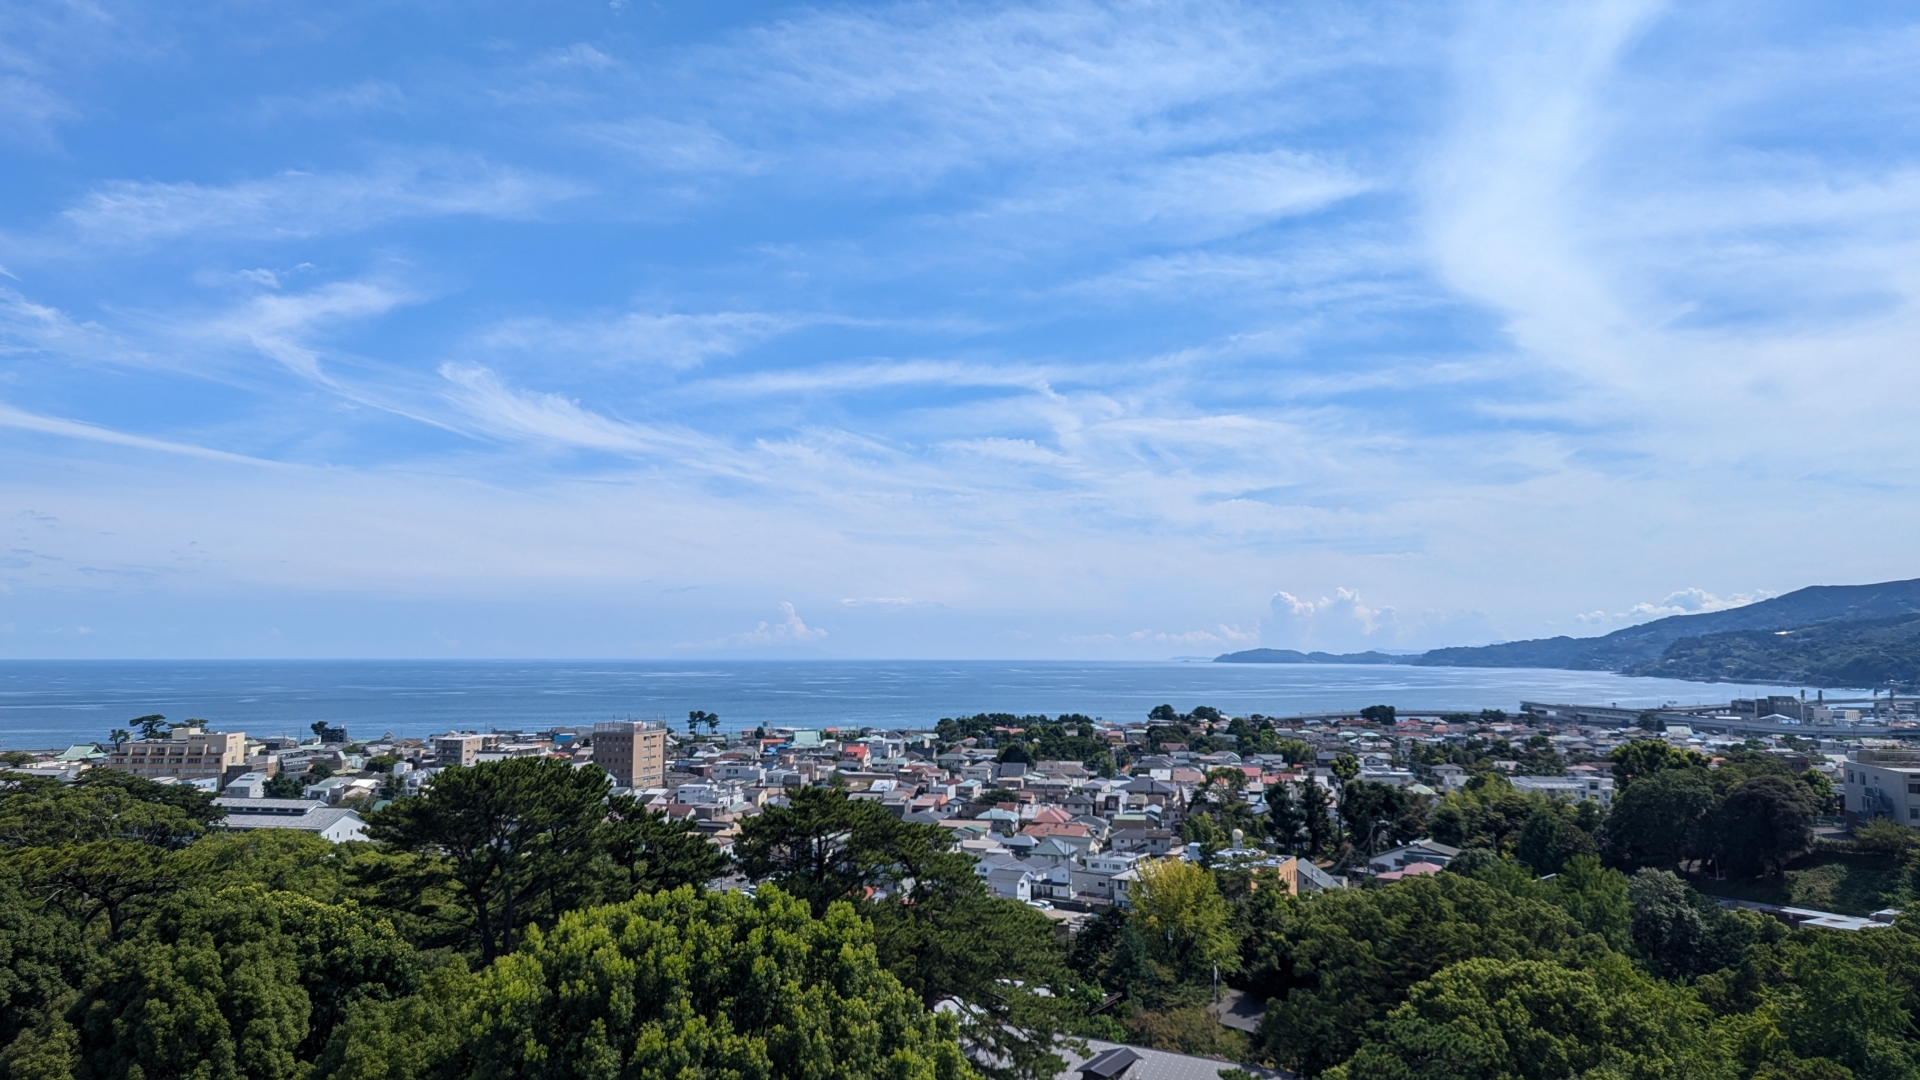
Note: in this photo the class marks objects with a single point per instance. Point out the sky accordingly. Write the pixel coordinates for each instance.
(1129, 331)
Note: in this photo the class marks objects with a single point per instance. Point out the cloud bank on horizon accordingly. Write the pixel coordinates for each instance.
(1059, 329)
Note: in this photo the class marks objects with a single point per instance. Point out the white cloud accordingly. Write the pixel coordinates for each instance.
(506, 412)
(790, 630)
(1690, 601)
(672, 340)
(1342, 622)
(887, 603)
(1194, 198)
(72, 429)
(279, 324)
(301, 204)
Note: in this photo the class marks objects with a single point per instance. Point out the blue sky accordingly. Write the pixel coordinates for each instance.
(1051, 330)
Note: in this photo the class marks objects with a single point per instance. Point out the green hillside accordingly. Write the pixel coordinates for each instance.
(1637, 646)
(1852, 652)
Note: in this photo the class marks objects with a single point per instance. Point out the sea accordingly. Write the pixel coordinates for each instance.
(56, 703)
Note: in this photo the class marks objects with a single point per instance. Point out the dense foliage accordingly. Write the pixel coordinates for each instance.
(513, 920)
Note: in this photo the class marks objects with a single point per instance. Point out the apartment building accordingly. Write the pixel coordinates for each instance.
(456, 748)
(633, 752)
(189, 754)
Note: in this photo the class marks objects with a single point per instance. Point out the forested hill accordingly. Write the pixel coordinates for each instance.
(1850, 652)
(1712, 645)
(1636, 646)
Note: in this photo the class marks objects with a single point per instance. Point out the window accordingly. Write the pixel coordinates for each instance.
(1913, 789)
(1913, 813)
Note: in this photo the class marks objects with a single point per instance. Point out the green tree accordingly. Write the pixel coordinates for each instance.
(1489, 812)
(279, 860)
(1641, 758)
(151, 726)
(1295, 751)
(683, 984)
(1597, 898)
(936, 927)
(283, 786)
(1550, 837)
(1764, 823)
(1184, 921)
(1285, 816)
(513, 841)
(1346, 957)
(822, 846)
(1662, 819)
(41, 957)
(45, 813)
(216, 999)
(1495, 1019)
(1316, 819)
(1379, 815)
(1679, 933)
(1820, 791)
(651, 852)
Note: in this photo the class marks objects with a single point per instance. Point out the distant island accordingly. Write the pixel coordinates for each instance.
(1824, 635)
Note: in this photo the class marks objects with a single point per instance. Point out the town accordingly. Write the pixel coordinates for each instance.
(1066, 895)
(1055, 811)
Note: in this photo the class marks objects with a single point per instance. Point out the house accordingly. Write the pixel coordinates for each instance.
(1011, 880)
(1142, 841)
(1413, 869)
(1406, 855)
(1115, 1061)
(1097, 877)
(1072, 833)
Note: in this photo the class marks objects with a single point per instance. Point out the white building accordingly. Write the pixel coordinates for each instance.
(1882, 784)
(1099, 877)
(307, 815)
(1571, 788)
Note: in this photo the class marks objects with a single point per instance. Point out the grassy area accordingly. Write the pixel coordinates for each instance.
(1828, 881)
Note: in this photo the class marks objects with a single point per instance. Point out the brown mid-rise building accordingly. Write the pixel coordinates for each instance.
(457, 748)
(189, 754)
(633, 752)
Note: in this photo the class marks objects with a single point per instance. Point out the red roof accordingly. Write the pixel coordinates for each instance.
(1042, 830)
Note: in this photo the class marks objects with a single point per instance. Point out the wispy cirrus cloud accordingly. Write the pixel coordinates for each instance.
(672, 340)
(508, 412)
(22, 420)
(291, 205)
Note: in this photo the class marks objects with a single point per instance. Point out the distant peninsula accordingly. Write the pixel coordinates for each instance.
(1823, 635)
(1290, 656)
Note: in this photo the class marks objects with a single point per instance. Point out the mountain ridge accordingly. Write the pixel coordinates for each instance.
(1644, 649)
